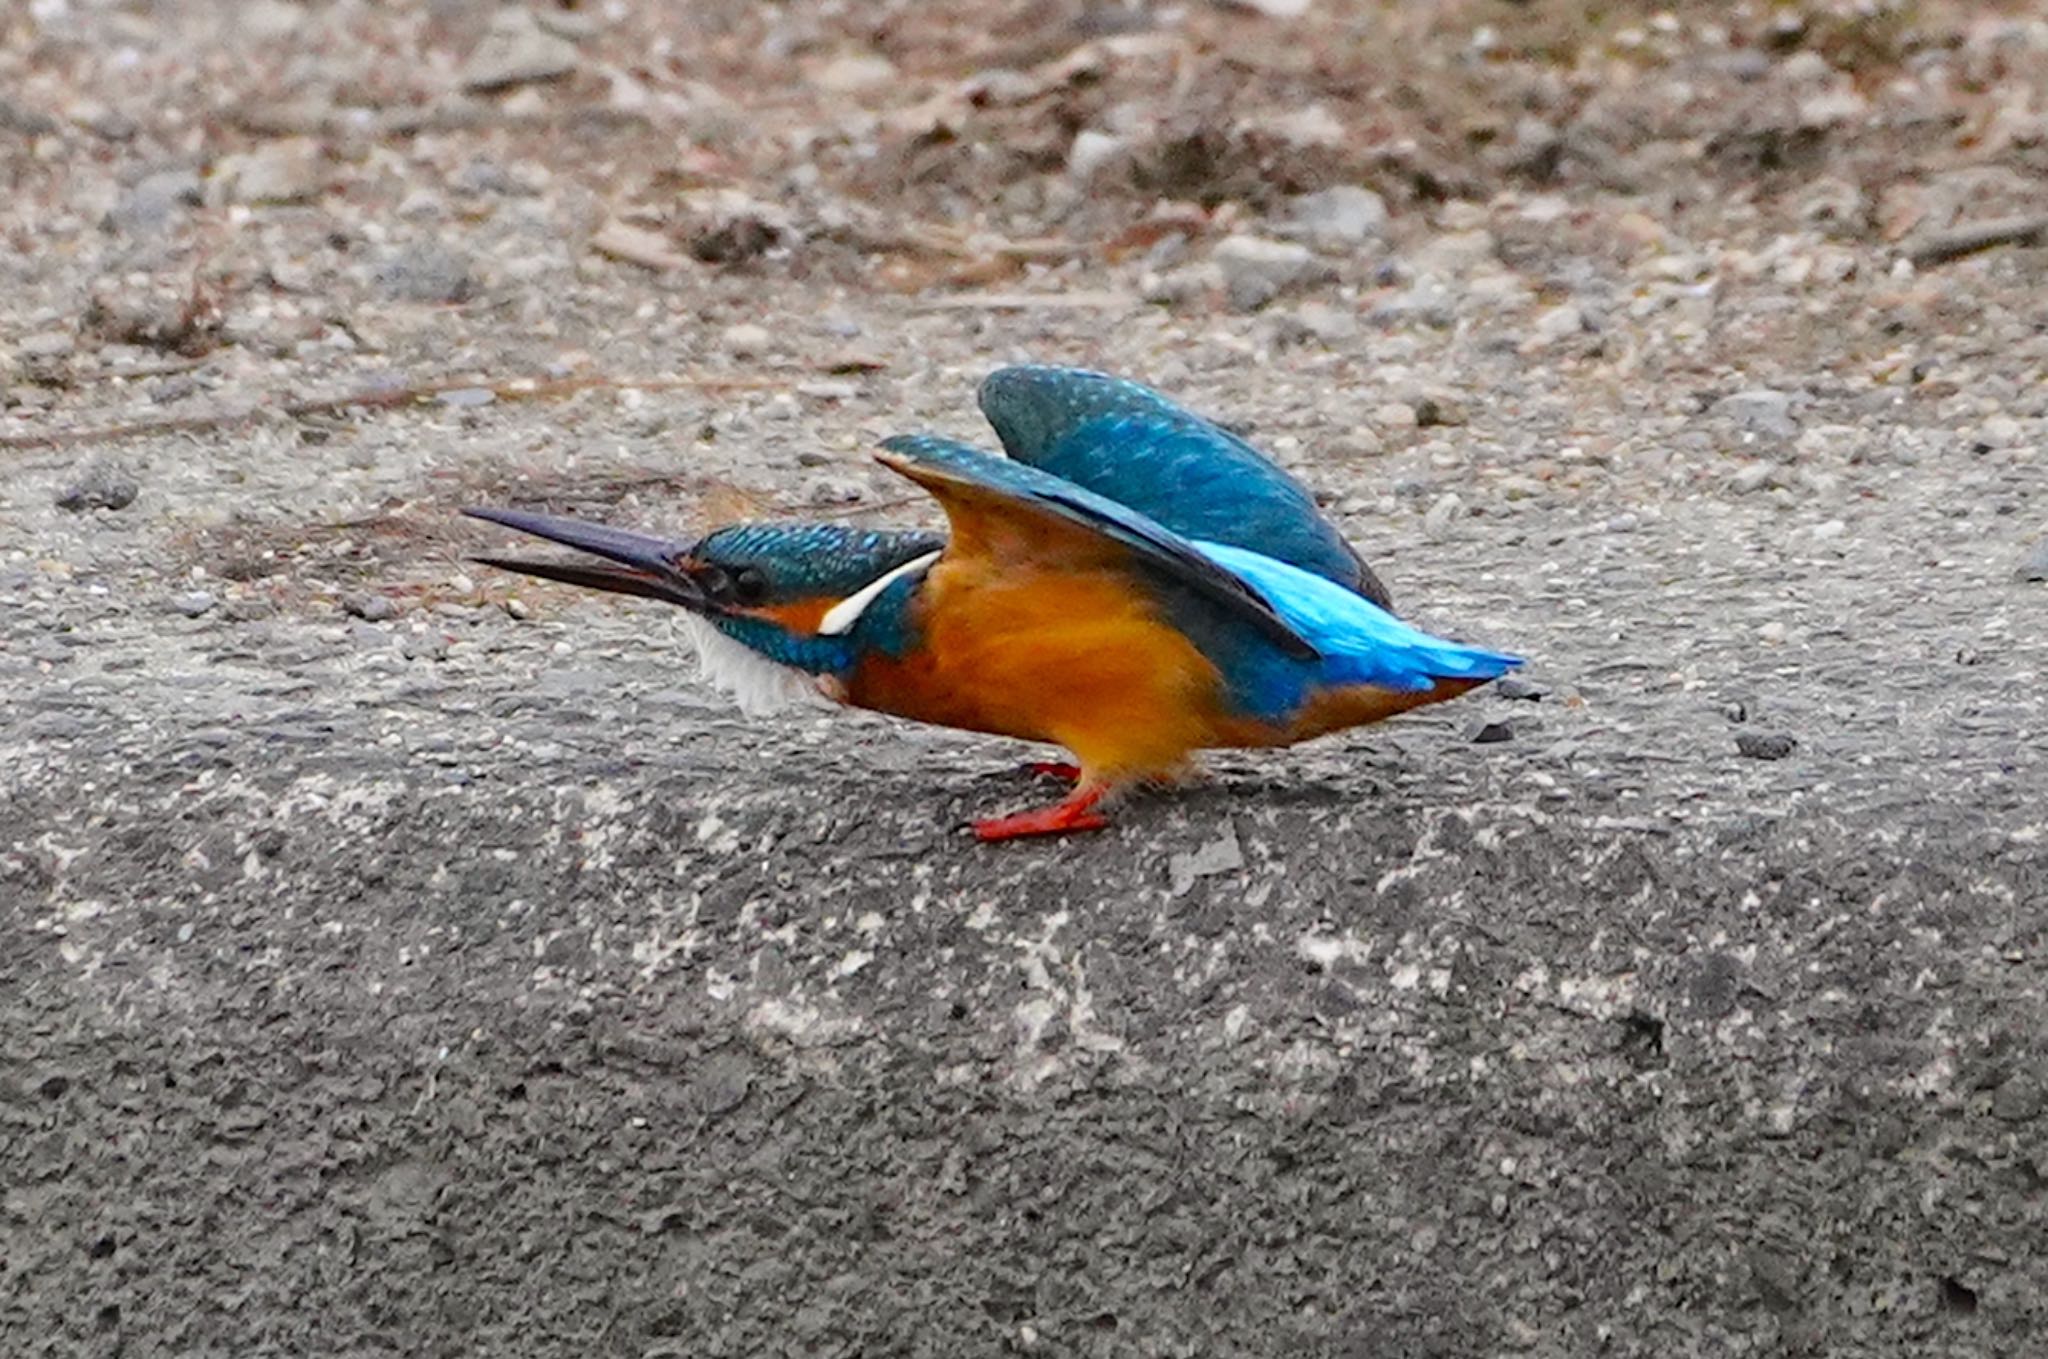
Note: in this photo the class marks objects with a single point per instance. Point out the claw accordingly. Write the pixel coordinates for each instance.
(1074, 813)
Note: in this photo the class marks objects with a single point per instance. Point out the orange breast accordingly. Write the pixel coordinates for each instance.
(1078, 658)
(1081, 659)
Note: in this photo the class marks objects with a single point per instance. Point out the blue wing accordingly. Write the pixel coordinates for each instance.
(987, 498)
(1361, 643)
(1130, 444)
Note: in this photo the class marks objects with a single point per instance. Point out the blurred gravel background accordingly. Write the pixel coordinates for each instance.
(396, 958)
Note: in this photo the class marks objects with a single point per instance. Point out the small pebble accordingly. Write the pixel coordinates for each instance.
(1360, 442)
(428, 646)
(1764, 745)
(426, 272)
(1514, 687)
(1256, 270)
(1759, 410)
(1753, 477)
(854, 72)
(1437, 406)
(1559, 323)
(1091, 151)
(1491, 733)
(193, 603)
(516, 51)
(831, 490)
(369, 608)
(747, 340)
(421, 205)
(2020, 1100)
(1443, 514)
(287, 170)
(1317, 321)
(1346, 215)
(46, 344)
(2035, 566)
(828, 391)
(101, 486)
(154, 202)
(2000, 431)
(518, 608)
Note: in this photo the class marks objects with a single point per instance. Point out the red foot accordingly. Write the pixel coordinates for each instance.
(1073, 814)
(1056, 769)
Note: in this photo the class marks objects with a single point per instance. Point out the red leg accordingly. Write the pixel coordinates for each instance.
(1074, 813)
(1056, 769)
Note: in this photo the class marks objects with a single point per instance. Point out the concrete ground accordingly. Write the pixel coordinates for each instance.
(400, 959)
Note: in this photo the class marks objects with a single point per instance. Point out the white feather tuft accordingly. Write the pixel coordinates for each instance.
(841, 617)
(757, 684)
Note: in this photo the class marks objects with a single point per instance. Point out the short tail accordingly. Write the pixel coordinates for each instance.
(1360, 642)
(1418, 663)
(1441, 659)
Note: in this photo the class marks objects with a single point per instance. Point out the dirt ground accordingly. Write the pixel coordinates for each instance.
(398, 958)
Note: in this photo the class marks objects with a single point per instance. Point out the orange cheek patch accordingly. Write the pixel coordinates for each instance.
(799, 617)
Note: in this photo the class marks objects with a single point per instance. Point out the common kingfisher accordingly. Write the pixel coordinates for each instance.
(1132, 582)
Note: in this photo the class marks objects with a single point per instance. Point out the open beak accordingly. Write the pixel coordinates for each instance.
(646, 566)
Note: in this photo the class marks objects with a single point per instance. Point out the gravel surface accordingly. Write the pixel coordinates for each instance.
(397, 957)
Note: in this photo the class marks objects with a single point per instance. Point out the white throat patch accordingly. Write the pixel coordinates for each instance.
(761, 686)
(757, 684)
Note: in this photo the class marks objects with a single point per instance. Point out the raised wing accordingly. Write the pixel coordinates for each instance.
(1127, 442)
(1017, 514)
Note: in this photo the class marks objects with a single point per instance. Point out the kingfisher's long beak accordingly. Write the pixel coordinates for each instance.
(647, 566)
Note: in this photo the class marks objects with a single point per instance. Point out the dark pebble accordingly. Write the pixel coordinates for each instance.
(1765, 746)
(1511, 687)
(101, 486)
(1492, 733)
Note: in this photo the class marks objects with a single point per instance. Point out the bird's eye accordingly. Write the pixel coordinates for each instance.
(750, 585)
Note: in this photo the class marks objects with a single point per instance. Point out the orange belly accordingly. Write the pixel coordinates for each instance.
(1078, 659)
(1082, 660)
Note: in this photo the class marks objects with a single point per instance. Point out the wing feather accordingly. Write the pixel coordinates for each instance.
(1130, 444)
(1017, 514)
